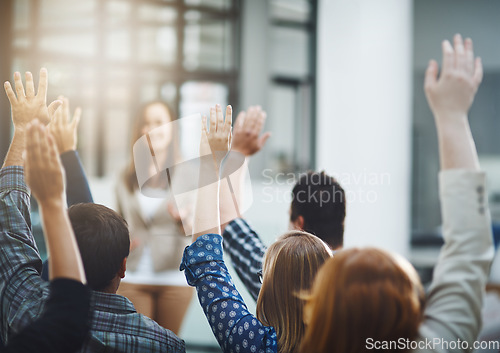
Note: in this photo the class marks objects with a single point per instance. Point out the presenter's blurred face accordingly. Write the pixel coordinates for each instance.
(156, 123)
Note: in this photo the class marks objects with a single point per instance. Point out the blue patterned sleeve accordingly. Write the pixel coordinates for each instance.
(234, 327)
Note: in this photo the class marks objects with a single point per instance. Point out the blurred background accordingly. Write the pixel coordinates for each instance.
(341, 81)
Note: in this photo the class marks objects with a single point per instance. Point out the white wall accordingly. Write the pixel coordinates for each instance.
(364, 114)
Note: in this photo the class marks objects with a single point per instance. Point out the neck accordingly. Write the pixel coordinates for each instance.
(113, 286)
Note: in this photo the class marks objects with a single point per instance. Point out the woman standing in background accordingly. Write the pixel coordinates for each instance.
(153, 281)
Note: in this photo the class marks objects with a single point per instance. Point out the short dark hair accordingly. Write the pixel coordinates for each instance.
(103, 238)
(320, 200)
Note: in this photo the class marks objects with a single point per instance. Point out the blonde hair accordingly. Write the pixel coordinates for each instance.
(289, 267)
(361, 294)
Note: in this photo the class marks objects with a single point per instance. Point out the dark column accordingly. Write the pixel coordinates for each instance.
(6, 15)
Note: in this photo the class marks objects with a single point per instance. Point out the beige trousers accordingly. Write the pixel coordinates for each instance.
(167, 305)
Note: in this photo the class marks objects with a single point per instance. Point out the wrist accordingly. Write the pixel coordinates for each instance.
(66, 149)
(52, 203)
(451, 121)
(244, 151)
(449, 116)
(20, 129)
(209, 166)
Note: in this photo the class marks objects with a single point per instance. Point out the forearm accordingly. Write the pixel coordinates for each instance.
(206, 218)
(77, 186)
(15, 154)
(223, 305)
(456, 145)
(65, 261)
(246, 250)
(232, 189)
(453, 306)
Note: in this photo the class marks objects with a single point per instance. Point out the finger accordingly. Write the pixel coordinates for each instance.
(10, 93)
(19, 86)
(448, 57)
(76, 118)
(52, 150)
(220, 118)
(30, 86)
(34, 148)
(204, 124)
(229, 118)
(42, 84)
(65, 110)
(431, 75)
(53, 107)
(204, 133)
(263, 139)
(469, 55)
(44, 148)
(213, 121)
(238, 125)
(251, 119)
(58, 114)
(478, 71)
(260, 120)
(460, 62)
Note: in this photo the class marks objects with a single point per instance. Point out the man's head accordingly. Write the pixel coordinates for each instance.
(319, 207)
(104, 242)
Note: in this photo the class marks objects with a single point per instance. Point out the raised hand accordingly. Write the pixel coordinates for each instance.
(45, 176)
(450, 98)
(217, 140)
(27, 106)
(62, 129)
(43, 170)
(453, 93)
(247, 130)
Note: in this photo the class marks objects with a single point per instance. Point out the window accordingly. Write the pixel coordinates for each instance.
(292, 83)
(109, 56)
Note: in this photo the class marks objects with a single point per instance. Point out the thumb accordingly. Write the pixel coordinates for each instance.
(76, 118)
(478, 71)
(431, 75)
(53, 107)
(264, 138)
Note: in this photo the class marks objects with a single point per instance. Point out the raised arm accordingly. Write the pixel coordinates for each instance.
(241, 242)
(246, 141)
(64, 324)
(25, 107)
(64, 131)
(214, 144)
(44, 175)
(450, 97)
(453, 306)
(234, 327)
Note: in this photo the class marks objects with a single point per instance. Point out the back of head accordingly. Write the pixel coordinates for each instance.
(320, 200)
(103, 238)
(362, 294)
(290, 265)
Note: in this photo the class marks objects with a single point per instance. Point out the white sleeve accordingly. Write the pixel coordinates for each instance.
(455, 297)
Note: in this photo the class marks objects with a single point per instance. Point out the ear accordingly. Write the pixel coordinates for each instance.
(123, 268)
(299, 222)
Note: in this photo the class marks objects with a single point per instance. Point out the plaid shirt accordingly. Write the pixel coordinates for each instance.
(246, 250)
(115, 327)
